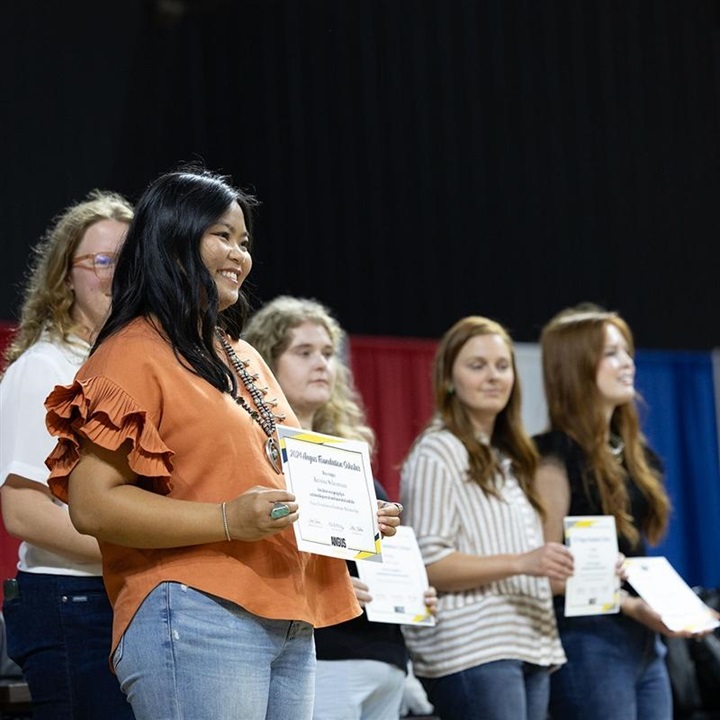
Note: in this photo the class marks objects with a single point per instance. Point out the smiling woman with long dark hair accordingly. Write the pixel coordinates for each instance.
(168, 455)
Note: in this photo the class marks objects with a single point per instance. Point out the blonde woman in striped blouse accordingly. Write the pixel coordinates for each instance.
(468, 492)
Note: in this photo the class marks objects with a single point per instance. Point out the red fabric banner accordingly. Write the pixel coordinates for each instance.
(393, 376)
(8, 545)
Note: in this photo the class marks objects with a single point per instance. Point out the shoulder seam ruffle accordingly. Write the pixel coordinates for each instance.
(98, 410)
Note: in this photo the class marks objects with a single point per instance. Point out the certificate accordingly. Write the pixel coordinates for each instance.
(398, 585)
(332, 481)
(659, 585)
(594, 588)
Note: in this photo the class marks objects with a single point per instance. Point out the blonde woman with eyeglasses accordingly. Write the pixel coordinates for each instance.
(58, 618)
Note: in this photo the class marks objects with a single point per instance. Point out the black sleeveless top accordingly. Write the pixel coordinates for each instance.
(584, 494)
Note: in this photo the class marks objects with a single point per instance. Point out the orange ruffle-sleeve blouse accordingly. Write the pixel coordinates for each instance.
(191, 442)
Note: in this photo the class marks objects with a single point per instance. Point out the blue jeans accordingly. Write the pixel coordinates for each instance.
(615, 669)
(188, 655)
(500, 690)
(59, 633)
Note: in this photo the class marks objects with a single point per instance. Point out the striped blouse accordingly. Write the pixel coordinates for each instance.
(510, 619)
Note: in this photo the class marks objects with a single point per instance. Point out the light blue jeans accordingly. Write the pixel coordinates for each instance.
(187, 655)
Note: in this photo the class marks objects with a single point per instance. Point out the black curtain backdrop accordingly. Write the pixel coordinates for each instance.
(417, 160)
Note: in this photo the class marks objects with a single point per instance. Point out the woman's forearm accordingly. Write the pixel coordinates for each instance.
(461, 571)
(29, 513)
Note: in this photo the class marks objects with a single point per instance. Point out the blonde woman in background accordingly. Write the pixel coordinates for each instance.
(361, 664)
(56, 610)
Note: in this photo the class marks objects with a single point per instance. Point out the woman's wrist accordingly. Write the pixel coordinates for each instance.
(626, 602)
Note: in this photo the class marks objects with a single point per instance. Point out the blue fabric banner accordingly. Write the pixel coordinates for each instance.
(680, 422)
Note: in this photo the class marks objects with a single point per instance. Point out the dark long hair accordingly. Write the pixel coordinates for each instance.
(160, 274)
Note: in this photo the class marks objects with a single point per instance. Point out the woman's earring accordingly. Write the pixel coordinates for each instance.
(451, 390)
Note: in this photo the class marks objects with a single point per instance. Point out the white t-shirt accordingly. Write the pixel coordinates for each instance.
(24, 439)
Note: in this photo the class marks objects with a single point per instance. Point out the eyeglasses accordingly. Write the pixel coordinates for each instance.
(103, 263)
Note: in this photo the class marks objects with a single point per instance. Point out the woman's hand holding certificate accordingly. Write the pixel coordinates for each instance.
(594, 588)
(669, 598)
(332, 481)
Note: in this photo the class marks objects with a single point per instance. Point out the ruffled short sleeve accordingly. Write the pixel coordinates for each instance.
(99, 410)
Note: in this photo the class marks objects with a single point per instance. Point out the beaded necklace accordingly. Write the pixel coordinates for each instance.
(263, 415)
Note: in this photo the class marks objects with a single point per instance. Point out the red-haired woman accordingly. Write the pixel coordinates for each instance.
(595, 462)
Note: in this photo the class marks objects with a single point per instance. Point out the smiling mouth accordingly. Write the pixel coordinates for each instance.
(231, 275)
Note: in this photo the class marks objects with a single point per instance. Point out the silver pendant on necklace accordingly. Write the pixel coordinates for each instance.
(272, 453)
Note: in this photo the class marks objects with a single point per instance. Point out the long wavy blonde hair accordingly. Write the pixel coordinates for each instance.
(572, 348)
(48, 298)
(268, 331)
